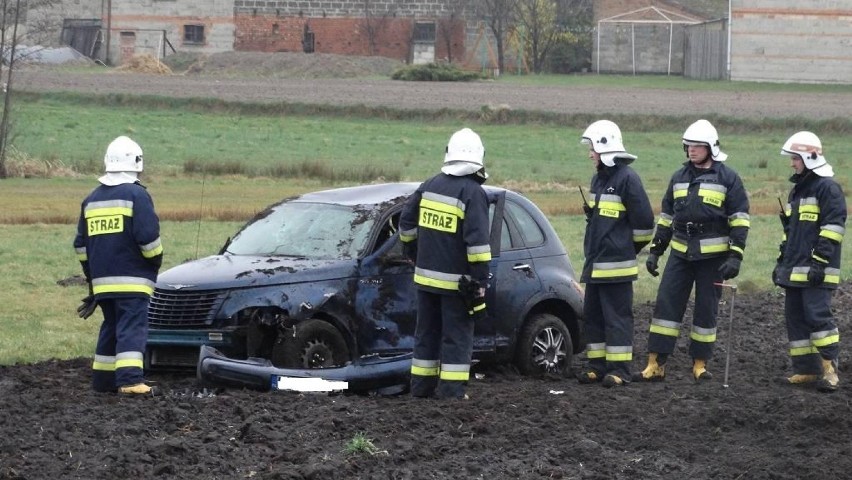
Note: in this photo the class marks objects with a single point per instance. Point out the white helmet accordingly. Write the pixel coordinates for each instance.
(704, 133)
(464, 154)
(807, 146)
(122, 162)
(604, 137)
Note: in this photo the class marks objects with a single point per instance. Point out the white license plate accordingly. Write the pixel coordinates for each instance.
(298, 384)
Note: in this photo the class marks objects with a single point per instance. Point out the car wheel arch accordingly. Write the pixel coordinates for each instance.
(317, 337)
(539, 349)
(558, 308)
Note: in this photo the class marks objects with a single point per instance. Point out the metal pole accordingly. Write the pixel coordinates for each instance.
(730, 330)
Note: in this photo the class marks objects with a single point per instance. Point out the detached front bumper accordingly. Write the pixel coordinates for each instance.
(364, 375)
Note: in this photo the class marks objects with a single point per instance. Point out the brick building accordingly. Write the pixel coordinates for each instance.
(417, 31)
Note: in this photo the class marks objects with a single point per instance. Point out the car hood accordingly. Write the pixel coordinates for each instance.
(234, 271)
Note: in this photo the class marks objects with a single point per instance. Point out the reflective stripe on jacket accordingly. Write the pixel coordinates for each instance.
(620, 225)
(704, 214)
(448, 218)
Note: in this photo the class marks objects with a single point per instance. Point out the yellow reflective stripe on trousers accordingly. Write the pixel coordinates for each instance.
(619, 354)
(424, 368)
(456, 372)
(823, 339)
(128, 360)
(104, 363)
(802, 347)
(703, 335)
(596, 350)
(665, 327)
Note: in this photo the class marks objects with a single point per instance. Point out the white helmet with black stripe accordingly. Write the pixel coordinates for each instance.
(604, 137)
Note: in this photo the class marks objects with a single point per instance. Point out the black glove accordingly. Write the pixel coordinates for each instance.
(816, 274)
(87, 308)
(731, 268)
(476, 309)
(785, 220)
(470, 291)
(652, 264)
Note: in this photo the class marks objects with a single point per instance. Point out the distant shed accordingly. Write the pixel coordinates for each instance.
(646, 40)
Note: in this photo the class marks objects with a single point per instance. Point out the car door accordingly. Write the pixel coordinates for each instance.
(385, 302)
(514, 281)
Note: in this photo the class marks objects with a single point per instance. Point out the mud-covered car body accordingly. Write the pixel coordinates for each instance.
(320, 280)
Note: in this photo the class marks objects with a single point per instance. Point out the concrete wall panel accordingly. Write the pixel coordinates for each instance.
(791, 41)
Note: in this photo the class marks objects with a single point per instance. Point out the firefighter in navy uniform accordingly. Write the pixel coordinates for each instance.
(705, 218)
(808, 267)
(446, 219)
(118, 245)
(620, 224)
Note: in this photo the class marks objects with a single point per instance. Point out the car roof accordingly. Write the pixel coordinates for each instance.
(366, 194)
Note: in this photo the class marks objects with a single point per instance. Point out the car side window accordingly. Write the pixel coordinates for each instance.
(505, 238)
(387, 232)
(533, 236)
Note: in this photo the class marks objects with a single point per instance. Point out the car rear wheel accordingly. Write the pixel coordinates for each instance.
(314, 344)
(544, 347)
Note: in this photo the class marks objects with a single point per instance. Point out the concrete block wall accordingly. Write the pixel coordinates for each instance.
(147, 19)
(791, 41)
(645, 47)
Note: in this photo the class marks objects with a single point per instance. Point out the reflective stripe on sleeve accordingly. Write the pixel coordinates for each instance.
(152, 249)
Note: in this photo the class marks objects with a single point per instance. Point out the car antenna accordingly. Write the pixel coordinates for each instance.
(200, 211)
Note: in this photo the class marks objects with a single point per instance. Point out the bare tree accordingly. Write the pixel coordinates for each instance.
(12, 15)
(447, 25)
(498, 15)
(541, 30)
(374, 23)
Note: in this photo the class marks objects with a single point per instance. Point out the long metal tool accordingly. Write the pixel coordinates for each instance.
(733, 289)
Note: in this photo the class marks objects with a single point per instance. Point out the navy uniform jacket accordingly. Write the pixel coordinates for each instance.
(448, 218)
(704, 214)
(621, 223)
(118, 241)
(816, 212)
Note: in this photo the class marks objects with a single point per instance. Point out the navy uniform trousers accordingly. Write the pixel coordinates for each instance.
(443, 345)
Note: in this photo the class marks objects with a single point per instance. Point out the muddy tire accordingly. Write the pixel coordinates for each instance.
(544, 347)
(315, 344)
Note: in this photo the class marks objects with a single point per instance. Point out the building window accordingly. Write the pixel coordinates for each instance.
(424, 32)
(193, 34)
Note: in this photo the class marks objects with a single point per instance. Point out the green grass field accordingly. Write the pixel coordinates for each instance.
(209, 170)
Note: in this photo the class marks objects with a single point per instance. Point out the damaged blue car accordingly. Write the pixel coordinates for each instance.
(318, 285)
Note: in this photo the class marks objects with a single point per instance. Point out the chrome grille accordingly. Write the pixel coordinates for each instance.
(179, 309)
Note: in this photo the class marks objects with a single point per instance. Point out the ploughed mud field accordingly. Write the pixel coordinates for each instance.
(53, 426)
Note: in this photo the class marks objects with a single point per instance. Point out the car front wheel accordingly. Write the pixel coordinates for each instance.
(544, 347)
(313, 344)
